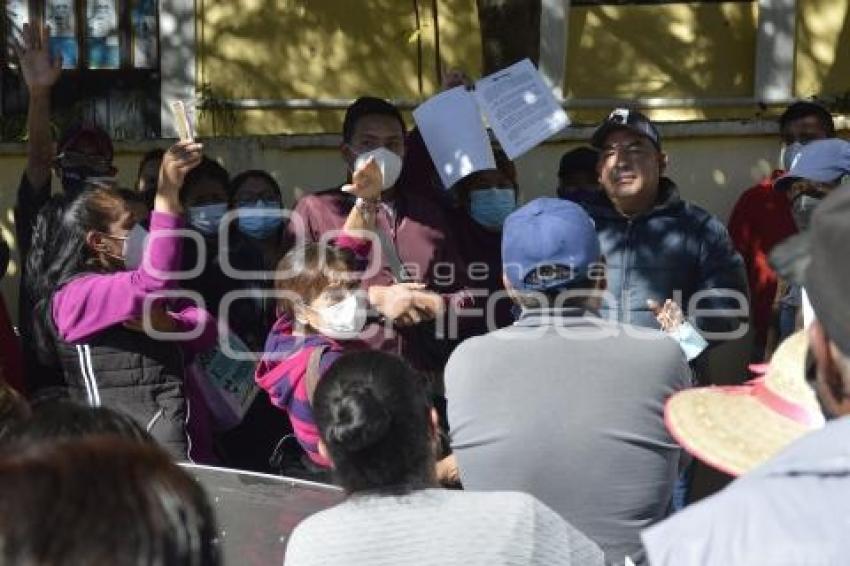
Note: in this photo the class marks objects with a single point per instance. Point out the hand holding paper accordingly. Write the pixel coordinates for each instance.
(181, 121)
(451, 126)
(518, 106)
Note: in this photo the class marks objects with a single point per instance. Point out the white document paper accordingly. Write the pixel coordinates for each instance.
(520, 108)
(451, 126)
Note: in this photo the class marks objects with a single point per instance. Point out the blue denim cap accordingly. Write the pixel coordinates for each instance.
(822, 161)
(547, 244)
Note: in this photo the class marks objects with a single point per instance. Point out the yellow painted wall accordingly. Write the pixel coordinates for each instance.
(345, 48)
(823, 47)
(674, 50)
(300, 49)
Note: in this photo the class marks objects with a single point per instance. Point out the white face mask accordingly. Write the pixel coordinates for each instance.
(788, 153)
(345, 319)
(388, 162)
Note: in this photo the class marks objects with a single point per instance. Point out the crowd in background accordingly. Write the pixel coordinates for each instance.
(488, 382)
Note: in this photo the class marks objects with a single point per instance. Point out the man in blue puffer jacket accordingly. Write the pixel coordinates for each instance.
(656, 245)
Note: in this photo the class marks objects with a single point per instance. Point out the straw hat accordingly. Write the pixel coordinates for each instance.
(737, 428)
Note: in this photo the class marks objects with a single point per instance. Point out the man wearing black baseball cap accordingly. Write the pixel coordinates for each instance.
(660, 249)
(793, 508)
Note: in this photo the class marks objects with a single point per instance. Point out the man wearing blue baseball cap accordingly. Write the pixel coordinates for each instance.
(565, 404)
(816, 170)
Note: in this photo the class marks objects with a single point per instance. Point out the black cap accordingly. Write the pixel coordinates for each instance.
(625, 119)
(579, 160)
(817, 260)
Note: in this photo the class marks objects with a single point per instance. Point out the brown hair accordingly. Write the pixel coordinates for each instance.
(103, 206)
(308, 270)
(102, 500)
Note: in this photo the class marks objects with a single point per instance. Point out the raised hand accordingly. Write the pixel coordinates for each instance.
(406, 304)
(40, 73)
(366, 182)
(180, 158)
(455, 77)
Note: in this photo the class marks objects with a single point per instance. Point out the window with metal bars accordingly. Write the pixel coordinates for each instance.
(110, 54)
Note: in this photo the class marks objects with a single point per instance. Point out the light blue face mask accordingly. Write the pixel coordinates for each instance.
(207, 218)
(489, 207)
(691, 341)
(255, 223)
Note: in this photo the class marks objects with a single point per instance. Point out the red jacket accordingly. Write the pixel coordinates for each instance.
(760, 220)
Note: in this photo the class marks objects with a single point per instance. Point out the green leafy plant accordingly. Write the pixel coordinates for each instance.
(216, 108)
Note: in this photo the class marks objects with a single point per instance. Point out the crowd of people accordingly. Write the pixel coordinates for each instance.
(488, 382)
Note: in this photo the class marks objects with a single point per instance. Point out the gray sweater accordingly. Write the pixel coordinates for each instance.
(440, 527)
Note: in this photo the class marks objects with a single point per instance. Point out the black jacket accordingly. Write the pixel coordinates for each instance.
(676, 251)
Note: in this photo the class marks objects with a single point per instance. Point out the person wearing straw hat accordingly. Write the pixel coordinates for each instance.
(565, 404)
(793, 508)
(736, 428)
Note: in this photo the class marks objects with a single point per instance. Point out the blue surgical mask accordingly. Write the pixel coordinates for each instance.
(490, 207)
(255, 222)
(691, 341)
(207, 218)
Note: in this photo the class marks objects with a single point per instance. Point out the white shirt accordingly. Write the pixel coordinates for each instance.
(440, 527)
(792, 511)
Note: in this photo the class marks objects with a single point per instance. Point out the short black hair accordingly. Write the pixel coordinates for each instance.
(57, 420)
(368, 106)
(574, 294)
(13, 408)
(207, 169)
(155, 154)
(373, 412)
(239, 179)
(804, 108)
(579, 160)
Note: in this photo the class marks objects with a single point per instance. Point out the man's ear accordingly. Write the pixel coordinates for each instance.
(323, 451)
(435, 423)
(600, 274)
(663, 160)
(829, 377)
(348, 155)
(506, 283)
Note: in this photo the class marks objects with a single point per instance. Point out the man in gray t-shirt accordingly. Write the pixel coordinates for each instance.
(565, 405)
